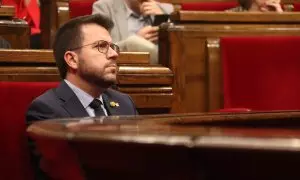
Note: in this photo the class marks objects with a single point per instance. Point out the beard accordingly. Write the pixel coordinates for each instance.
(98, 78)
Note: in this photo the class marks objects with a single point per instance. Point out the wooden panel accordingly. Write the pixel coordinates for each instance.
(26, 56)
(134, 58)
(194, 1)
(46, 56)
(49, 15)
(215, 86)
(63, 12)
(144, 75)
(154, 100)
(21, 73)
(7, 11)
(235, 17)
(160, 89)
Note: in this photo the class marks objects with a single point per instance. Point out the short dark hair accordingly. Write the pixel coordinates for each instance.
(245, 4)
(69, 36)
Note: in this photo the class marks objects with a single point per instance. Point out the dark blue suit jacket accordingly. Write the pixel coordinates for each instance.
(62, 102)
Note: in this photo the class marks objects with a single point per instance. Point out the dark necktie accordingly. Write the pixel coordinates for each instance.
(96, 105)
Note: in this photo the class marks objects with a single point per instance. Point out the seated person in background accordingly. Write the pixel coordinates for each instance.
(133, 30)
(4, 44)
(87, 61)
(258, 6)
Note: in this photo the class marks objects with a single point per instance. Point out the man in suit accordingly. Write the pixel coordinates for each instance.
(133, 30)
(86, 59)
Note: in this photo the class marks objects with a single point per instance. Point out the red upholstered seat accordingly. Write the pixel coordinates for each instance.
(261, 73)
(80, 7)
(15, 98)
(296, 6)
(208, 6)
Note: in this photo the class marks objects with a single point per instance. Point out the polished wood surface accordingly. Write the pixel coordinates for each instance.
(46, 56)
(150, 86)
(256, 145)
(195, 1)
(49, 14)
(235, 17)
(188, 49)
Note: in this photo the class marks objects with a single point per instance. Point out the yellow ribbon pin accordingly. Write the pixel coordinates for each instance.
(114, 104)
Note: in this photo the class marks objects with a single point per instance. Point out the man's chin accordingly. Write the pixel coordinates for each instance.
(105, 83)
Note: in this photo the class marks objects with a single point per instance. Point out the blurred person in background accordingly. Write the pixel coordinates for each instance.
(133, 19)
(28, 10)
(258, 6)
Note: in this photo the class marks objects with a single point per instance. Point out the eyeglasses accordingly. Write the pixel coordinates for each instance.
(102, 46)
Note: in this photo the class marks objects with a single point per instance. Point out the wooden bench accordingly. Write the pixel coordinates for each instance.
(183, 48)
(150, 86)
(288, 5)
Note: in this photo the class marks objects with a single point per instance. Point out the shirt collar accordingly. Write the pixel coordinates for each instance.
(83, 97)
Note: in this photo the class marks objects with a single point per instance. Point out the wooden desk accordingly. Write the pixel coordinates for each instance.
(15, 31)
(183, 146)
(185, 46)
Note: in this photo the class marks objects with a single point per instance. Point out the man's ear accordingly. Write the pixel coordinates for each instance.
(71, 59)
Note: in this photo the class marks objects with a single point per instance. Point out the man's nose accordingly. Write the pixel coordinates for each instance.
(111, 53)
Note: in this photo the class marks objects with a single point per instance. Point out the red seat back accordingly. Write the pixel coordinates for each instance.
(80, 7)
(208, 6)
(261, 73)
(296, 6)
(15, 98)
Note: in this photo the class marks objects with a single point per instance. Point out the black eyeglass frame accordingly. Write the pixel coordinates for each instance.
(97, 44)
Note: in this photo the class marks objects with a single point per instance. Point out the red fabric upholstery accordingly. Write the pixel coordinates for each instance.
(59, 160)
(15, 98)
(80, 7)
(296, 6)
(208, 6)
(261, 73)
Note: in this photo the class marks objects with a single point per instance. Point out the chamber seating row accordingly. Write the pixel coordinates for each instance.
(261, 47)
(25, 74)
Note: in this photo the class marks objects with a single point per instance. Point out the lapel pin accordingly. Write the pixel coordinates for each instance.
(114, 104)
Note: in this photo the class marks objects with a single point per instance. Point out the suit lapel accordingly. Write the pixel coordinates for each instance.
(121, 21)
(70, 101)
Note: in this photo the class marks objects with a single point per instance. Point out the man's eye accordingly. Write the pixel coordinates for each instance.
(102, 45)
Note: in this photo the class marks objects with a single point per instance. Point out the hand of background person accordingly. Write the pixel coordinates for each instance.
(150, 7)
(149, 33)
(272, 6)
